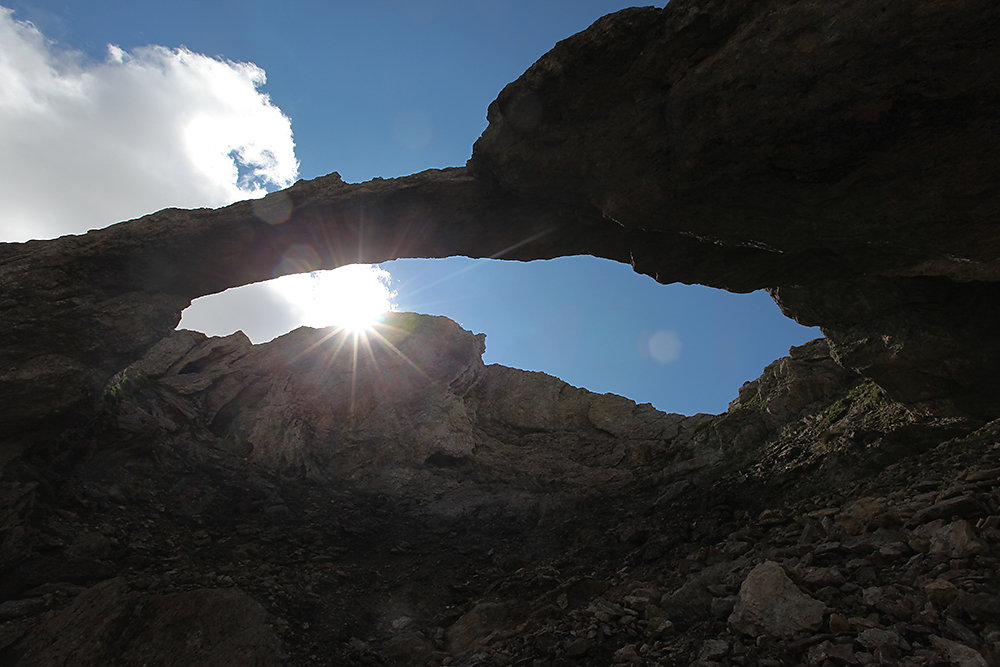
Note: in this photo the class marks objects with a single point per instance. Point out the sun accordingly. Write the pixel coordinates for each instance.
(352, 297)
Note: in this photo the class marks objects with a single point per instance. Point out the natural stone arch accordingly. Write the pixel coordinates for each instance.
(841, 154)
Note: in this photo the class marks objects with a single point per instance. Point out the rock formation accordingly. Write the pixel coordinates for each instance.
(169, 498)
(390, 409)
(840, 154)
(326, 499)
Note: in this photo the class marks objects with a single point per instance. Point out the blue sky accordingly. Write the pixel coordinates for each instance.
(383, 88)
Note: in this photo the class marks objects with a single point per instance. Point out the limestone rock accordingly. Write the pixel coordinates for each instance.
(941, 592)
(542, 545)
(862, 513)
(173, 498)
(312, 397)
(957, 539)
(880, 640)
(958, 653)
(827, 651)
(694, 599)
(789, 386)
(473, 627)
(410, 403)
(801, 402)
(769, 603)
(714, 649)
(684, 127)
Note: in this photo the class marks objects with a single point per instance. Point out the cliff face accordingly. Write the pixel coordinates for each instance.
(323, 499)
(409, 406)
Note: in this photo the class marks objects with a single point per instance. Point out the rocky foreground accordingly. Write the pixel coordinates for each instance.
(411, 506)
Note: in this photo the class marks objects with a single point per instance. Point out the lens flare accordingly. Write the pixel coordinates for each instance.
(352, 297)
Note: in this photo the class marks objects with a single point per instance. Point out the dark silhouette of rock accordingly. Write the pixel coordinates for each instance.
(111, 624)
(839, 154)
(397, 406)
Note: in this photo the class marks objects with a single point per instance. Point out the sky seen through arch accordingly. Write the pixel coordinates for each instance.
(129, 108)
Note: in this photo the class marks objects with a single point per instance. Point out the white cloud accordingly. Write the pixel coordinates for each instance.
(258, 310)
(84, 145)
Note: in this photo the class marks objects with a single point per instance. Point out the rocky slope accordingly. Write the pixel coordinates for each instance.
(297, 503)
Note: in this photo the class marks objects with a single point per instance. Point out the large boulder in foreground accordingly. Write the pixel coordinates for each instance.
(769, 603)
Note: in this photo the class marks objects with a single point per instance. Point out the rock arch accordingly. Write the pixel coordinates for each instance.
(841, 154)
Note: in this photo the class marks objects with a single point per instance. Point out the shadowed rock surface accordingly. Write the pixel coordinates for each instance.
(109, 624)
(838, 153)
(169, 498)
(297, 503)
(409, 406)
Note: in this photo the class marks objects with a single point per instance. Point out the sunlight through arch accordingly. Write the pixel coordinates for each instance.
(351, 297)
(593, 323)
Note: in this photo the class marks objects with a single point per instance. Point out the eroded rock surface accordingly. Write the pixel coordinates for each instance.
(838, 153)
(288, 503)
(168, 498)
(769, 603)
(409, 405)
(111, 624)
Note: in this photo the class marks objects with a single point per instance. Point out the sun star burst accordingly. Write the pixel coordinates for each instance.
(353, 298)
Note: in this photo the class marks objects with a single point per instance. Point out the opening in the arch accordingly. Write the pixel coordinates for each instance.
(593, 323)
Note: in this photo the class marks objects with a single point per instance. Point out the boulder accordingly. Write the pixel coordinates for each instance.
(769, 603)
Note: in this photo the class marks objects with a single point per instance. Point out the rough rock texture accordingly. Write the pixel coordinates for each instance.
(770, 604)
(168, 498)
(395, 409)
(240, 504)
(110, 624)
(838, 153)
(832, 152)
